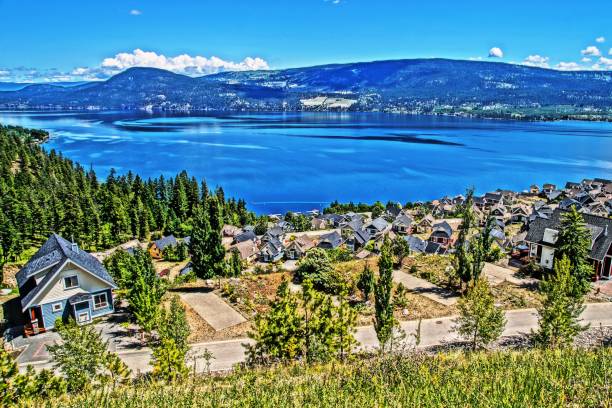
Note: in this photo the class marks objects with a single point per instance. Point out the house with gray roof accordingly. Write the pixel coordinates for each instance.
(61, 281)
(402, 224)
(543, 234)
(442, 234)
(157, 247)
(377, 227)
(271, 250)
(330, 241)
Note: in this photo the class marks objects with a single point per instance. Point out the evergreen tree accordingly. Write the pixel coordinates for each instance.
(82, 356)
(19, 389)
(146, 293)
(214, 244)
(173, 325)
(279, 333)
(198, 245)
(384, 321)
(561, 308)
(463, 259)
(574, 242)
(400, 249)
(480, 321)
(366, 282)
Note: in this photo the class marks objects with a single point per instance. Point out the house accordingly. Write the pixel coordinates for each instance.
(377, 227)
(421, 246)
(156, 249)
(543, 234)
(567, 203)
(62, 281)
(246, 249)
(519, 214)
(442, 234)
(534, 189)
(549, 187)
(319, 223)
(357, 239)
(402, 224)
(275, 233)
(499, 212)
(271, 250)
(245, 236)
(351, 227)
(286, 226)
(330, 241)
(425, 225)
(298, 247)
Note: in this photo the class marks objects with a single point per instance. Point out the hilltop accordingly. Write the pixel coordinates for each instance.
(424, 86)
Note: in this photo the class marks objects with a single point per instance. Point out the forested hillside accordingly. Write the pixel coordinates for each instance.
(42, 191)
(406, 86)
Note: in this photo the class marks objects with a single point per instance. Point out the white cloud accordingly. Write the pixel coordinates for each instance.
(536, 61)
(568, 66)
(610, 52)
(600, 39)
(183, 64)
(135, 12)
(496, 52)
(585, 59)
(591, 50)
(606, 61)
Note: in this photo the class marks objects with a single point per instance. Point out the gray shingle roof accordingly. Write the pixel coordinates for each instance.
(51, 256)
(598, 226)
(163, 242)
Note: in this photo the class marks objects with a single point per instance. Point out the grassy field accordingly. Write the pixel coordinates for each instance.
(569, 378)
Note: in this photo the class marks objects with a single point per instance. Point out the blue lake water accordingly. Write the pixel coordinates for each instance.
(303, 161)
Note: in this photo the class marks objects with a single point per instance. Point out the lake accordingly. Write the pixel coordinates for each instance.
(302, 161)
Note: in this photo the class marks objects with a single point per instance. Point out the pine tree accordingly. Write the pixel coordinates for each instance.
(561, 308)
(173, 325)
(366, 282)
(214, 243)
(384, 321)
(463, 259)
(146, 293)
(480, 321)
(279, 333)
(168, 362)
(574, 242)
(198, 245)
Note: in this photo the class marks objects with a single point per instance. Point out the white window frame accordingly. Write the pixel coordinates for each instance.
(86, 313)
(105, 301)
(76, 277)
(56, 307)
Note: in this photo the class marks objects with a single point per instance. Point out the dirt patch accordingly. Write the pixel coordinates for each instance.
(9, 275)
(432, 268)
(201, 331)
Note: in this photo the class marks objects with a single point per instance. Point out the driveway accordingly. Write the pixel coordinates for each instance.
(426, 288)
(213, 309)
(498, 274)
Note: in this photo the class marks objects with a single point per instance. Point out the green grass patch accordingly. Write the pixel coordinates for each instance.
(532, 378)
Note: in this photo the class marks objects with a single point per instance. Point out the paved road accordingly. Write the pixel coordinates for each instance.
(433, 332)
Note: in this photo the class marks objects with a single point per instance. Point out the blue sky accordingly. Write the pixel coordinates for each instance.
(51, 40)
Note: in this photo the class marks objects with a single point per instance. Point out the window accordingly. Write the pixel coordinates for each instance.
(100, 301)
(83, 317)
(71, 282)
(56, 307)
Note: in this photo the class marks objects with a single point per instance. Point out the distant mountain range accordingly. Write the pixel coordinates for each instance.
(406, 86)
(16, 86)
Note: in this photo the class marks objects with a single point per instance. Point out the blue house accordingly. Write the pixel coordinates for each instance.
(62, 281)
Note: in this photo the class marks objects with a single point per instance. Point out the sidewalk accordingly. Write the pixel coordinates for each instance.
(433, 332)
